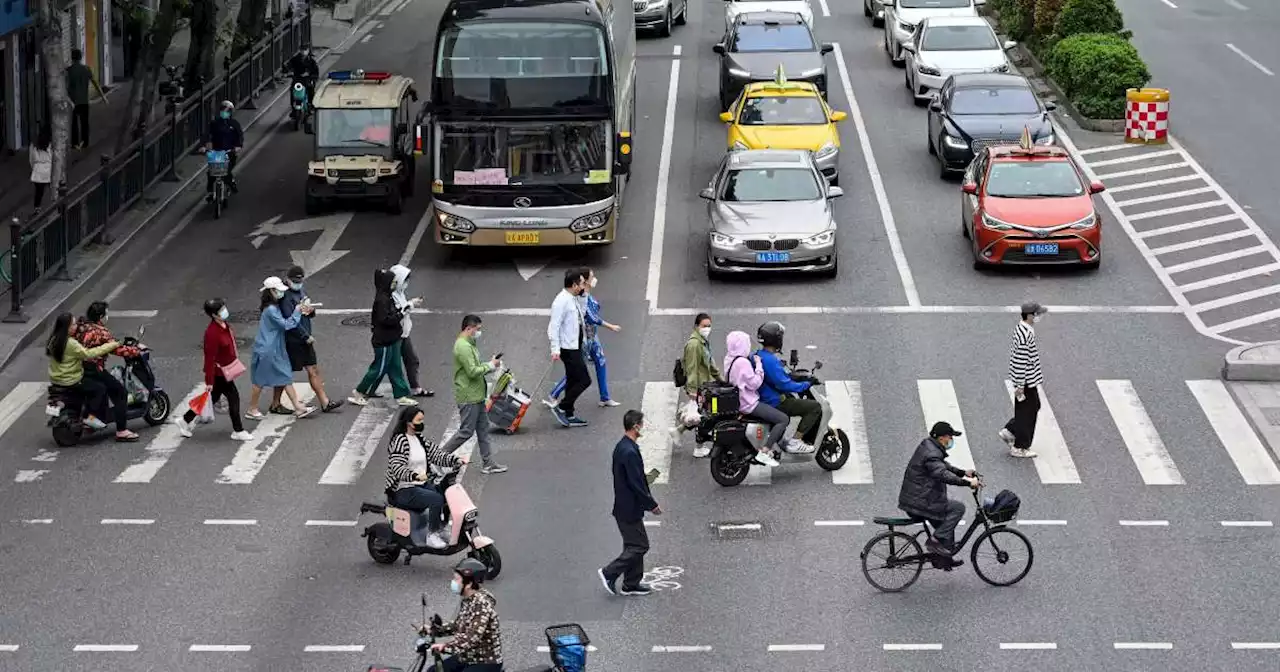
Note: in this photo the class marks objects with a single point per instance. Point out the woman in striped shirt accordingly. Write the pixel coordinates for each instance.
(407, 488)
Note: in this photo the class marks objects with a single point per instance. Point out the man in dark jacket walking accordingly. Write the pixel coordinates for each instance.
(924, 489)
(387, 359)
(631, 498)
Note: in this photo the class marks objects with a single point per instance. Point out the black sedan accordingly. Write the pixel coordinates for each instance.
(759, 43)
(972, 111)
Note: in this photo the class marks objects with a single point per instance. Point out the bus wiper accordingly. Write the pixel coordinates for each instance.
(366, 141)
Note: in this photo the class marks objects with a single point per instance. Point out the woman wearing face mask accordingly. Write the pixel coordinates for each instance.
(270, 365)
(748, 375)
(477, 634)
(220, 360)
(406, 481)
(591, 347)
(699, 369)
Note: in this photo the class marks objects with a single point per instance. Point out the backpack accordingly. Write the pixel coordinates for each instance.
(678, 375)
(1003, 507)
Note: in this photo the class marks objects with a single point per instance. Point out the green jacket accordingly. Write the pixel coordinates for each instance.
(70, 370)
(468, 373)
(699, 367)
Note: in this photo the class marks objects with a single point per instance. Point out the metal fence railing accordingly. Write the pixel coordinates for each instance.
(40, 246)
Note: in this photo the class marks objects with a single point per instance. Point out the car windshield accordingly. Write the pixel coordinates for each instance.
(524, 153)
(1033, 179)
(353, 129)
(994, 100)
(757, 38)
(782, 111)
(959, 38)
(933, 4)
(754, 185)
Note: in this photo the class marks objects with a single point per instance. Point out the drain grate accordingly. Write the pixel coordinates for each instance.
(731, 530)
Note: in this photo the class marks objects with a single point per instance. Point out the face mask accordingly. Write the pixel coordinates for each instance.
(104, 318)
(306, 53)
(704, 331)
(1037, 319)
(295, 285)
(639, 430)
(224, 114)
(418, 427)
(223, 313)
(592, 282)
(455, 587)
(476, 336)
(277, 294)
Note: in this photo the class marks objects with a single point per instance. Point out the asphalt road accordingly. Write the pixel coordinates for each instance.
(171, 544)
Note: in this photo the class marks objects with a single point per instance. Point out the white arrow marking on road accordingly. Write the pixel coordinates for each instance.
(321, 254)
(528, 269)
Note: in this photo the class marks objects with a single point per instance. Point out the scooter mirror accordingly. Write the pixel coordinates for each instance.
(795, 357)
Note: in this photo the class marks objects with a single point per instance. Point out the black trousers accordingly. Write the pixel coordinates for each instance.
(115, 392)
(223, 388)
(1023, 423)
(577, 380)
(630, 564)
(80, 125)
(40, 188)
(411, 363)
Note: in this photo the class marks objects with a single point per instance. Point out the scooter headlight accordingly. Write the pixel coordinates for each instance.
(470, 517)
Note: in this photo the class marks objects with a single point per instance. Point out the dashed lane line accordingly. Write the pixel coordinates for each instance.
(332, 523)
(231, 521)
(128, 521)
(1250, 60)
(38, 521)
(545, 649)
(333, 648)
(653, 523)
(680, 649)
(105, 648)
(837, 523)
(1255, 646)
(654, 279)
(912, 647)
(8, 648)
(1143, 646)
(1144, 523)
(1056, 523)
(1246, 523)
(796, 648)
(219, 648)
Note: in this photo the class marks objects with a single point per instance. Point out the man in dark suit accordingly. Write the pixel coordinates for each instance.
(631, 498)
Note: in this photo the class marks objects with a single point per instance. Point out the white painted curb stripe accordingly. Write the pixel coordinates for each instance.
(230, 521)
(1028, 646)
(1139, 434)
(128, 521)
(680, 649)
(219, 648)
(338, 648)
(783, 648)
(1138, 646)
(912, 647)
(939, 403)
(105, 648)
(332, 523)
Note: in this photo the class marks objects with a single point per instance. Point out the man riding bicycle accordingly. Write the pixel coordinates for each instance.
(225, 135)
(924, 491)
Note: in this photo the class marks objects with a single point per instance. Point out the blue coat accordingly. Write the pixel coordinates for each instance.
(270, 366)
(776, 380)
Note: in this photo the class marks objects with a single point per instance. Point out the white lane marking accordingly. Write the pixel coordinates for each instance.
(823, 4)
(1175, 210)
(1215, 259)
(332, 523)
(1245, 321)
(359, 444)
(333, 648)
(659, 407)
(1247, 452)
(1140, 171)
(653, 523)
(912, 647)
(45, 455)
(411, 248)
(654, 281)
(1266, 269)
(1028, 646)
(837, 523)
(680, 649)
(848, 414)
(1139, 434)
(1250, 60)
(105, 648)
(1144, 523)
(128, 521)
(219, 648)
(728, 527)
(1134, 157)
(1233, 299)
(38, 521)
(939, 403)
(1164, 197)
(1040, 522)
(158, 451)
(29, 475)
(877, 182)
(1177, 228)
(758, 474)
(1201, 242)
(545, 649)
(779, 648)
(1170, 3)
(1246, 523)
(135, 314)
(1236, 4)
(252, 456)
(1148, 185)
(8, 648)
(912, 310)
(1255, 646)
(1153, 646)
(1108, 148)
(230, 521)
(1053, 462)
(17, 401)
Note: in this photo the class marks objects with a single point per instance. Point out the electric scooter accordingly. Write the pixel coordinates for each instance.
(300, 108)
(735, 441)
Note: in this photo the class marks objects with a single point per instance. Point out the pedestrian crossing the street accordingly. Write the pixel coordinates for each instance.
(1252, 455)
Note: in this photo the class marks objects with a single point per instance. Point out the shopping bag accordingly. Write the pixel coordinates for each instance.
(689, 414)
(201, 406)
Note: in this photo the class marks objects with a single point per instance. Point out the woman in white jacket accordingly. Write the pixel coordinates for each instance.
(41, 159)
(399, 284)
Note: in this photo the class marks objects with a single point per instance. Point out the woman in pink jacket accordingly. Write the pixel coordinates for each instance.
(745, 372)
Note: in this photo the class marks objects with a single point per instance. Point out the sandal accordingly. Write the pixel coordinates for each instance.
(255, 414)
(279, 410)
(126, 436)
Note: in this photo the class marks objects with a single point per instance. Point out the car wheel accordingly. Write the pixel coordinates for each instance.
(665, 30)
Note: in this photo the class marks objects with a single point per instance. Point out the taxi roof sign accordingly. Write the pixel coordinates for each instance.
(1027, 146)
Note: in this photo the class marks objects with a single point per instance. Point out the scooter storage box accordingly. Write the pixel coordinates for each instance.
(730, 433)
(719, 399)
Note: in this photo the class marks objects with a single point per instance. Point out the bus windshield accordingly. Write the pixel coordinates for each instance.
(510, 49)
(501, 154)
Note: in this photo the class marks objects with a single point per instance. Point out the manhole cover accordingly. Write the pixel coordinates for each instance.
(731, 530)
(357, 321)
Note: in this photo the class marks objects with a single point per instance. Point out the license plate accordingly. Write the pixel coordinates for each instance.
(773, 257)
(1041, 248)
(522, 237)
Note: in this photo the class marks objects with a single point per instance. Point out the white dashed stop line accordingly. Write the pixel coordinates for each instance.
(8, 648)
(791, 648)
(1143, 646)
(334, 648)
(912, 647)
(128, 521)
(680, 649)
(1145, 523)
(219, 648)
(1246, 523)
(1028, 646)
(230, 521)
(1252, 646)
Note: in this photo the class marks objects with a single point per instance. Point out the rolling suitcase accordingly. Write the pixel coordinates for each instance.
(508, 403)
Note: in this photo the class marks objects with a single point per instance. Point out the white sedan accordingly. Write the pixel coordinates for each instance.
(945, 46)
(733, 8)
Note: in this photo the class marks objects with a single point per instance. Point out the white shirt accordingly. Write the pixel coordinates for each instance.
(566, 323)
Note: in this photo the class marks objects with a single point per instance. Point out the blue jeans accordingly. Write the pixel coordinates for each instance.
(595, 352)
(420, 498)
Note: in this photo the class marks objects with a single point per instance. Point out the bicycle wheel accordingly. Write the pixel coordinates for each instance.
(884, 556)
(1006, 551)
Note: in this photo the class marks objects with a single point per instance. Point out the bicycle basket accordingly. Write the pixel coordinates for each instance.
(568, 644)
(1002, 508)
(219, 162)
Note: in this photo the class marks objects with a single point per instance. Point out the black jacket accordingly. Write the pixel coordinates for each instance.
(225, 134)
(631, 496)
(304, 67)
(386, 317)
(925, 481)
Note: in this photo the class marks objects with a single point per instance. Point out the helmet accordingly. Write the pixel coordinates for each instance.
(770, 334)
(472, 570)
(226, 105)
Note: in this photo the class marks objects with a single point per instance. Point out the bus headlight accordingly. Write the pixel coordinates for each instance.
(594, 220)
(455, 223)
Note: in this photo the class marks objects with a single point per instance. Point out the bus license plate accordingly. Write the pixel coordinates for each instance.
(522, 237)
(1042, 248)
(773, 257)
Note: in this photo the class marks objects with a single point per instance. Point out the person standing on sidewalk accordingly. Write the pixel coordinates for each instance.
(406, 305)
(591, 346)
(219, 354)
(41, 159)
(1027, 378)
(79, 78)
(566, 331)
(300, 344)
(387, 358)
(699, 369)
(470, 393)
(631, 498)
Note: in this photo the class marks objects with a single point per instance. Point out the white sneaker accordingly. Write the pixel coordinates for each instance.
(798, 447)
(767, 460)
(434, 540)
(94, 423)
(241, 436)
(702, 450)
(53, 410)
(357, 400)
(1006, 436)
(1022, 452)
(407, 401)
(183, 428)
(609, 403)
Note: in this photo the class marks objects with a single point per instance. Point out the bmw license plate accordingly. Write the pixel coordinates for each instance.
(1042, 248)
(773, 257)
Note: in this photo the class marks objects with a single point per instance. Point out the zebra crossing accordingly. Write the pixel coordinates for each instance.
(1250, 453)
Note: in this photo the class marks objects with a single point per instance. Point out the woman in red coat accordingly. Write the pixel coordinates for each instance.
(220, 360)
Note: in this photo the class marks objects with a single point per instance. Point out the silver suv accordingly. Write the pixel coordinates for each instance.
(660, 15)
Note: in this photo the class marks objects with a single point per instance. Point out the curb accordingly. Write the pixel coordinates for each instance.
(1259, 362)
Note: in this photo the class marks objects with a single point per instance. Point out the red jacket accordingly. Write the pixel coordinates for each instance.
(219, 350)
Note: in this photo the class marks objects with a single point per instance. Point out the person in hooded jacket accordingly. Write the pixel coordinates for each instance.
(300, 345)
(400, 284)
(748, 375)
(924, 490)
(388, 359)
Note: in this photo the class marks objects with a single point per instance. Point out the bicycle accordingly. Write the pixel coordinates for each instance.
(219, 166)
(905, 555)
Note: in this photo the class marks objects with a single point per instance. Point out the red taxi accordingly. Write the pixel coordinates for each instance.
(1030, 205)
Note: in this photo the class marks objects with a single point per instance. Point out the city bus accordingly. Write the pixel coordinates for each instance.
(528, 128)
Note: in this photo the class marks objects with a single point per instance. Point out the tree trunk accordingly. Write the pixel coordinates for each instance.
(200, 53)
(251, 24)
(142, 98)
(54, 58)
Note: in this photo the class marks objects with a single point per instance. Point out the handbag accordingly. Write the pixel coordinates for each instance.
(233, 370)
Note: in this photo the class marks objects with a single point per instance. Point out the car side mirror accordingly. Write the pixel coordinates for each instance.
(909, 46)
(413, 94)
(827, 48)
(839, 116)
(794, 358)
(726, 117)
(1050, 106)
(969, 188)
(707, 194)
(1097, 188)
(935, 105)
(719, 48)
(622, 154)
(834, 192)
(1009, 44)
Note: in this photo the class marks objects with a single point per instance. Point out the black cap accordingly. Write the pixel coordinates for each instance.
(941, 429)
(1033, 308)
(296, 273)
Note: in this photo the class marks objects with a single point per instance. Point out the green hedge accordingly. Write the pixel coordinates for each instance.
(1094, 70)
(1078, 17)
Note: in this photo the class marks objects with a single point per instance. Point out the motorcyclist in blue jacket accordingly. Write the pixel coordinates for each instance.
(778, 383)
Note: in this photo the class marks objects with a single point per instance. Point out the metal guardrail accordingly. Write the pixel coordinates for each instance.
(40, 247)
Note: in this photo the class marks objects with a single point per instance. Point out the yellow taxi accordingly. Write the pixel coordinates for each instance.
(786, 115)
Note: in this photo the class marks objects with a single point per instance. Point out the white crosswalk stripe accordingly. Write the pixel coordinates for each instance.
(1232, 428)
(267, 436)
(939, 403)
(1139, 434)
(358, 446)
(1053, 460)
(660, 405)
(845, 397)
(157, 452)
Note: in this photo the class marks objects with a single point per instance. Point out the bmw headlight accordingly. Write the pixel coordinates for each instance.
(824, 238)
(739, 145)
(953, 142)
(739, 73)
(825, 151)
(926, 69)
(721, 240)
(1046, 140)
(455, 223)
(994, 224)
(594, 220)
(1086, 222)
